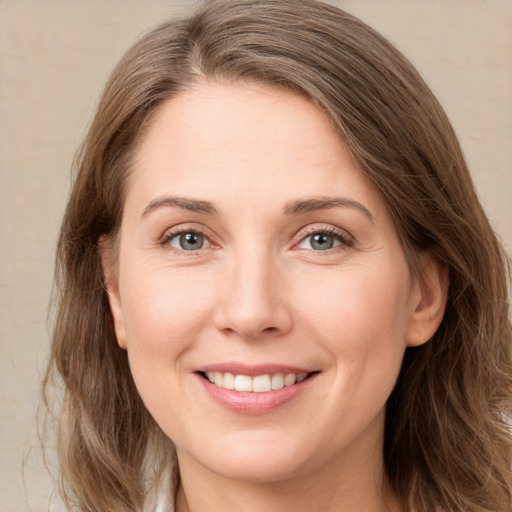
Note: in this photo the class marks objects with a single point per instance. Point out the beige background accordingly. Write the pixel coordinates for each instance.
(54, 58)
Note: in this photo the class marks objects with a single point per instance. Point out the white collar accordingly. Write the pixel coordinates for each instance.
(161, 498)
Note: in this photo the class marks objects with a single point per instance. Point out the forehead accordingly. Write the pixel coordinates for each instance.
(243, 139)
(242, 114)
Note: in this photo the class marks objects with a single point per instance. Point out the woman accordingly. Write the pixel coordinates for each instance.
(273, 255)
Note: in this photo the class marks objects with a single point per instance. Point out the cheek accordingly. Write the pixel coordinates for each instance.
(165, 311)
(361, 313)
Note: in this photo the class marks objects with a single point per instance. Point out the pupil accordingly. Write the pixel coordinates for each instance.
(322, 242)
(191, 241)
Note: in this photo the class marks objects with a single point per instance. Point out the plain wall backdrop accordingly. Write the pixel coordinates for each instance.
(55, 56)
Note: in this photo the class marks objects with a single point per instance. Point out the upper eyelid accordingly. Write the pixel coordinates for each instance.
(173, 231)
(323, 228)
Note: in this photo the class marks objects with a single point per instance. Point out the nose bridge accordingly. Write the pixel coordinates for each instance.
(254, 303)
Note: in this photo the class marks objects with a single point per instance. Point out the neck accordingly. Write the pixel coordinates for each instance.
(331, 488)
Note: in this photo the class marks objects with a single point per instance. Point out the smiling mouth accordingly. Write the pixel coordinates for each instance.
(257, 384)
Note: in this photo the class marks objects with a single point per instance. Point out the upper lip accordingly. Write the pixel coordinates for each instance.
(252, 370)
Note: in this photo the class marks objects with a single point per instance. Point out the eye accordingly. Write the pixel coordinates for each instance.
(319, 242)
(187, 241)
(315, 239)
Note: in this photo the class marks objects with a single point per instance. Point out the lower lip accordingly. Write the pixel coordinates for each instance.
(245, 402)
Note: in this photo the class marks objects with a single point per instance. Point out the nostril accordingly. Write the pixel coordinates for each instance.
(252, 320)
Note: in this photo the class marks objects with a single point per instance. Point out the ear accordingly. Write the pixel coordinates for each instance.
(112, 287)
(429, 298)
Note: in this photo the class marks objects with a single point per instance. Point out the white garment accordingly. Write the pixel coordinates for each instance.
(161, 499)
(163, 503)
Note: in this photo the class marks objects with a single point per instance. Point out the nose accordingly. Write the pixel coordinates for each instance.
(254, 300)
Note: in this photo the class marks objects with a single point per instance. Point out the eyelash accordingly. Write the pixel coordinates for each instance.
(345, 240)
(182, 230)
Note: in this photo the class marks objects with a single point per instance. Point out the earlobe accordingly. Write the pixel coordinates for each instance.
(429, 300)
(112, 288)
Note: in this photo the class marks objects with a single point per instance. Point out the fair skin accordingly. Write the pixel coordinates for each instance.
(251, 244)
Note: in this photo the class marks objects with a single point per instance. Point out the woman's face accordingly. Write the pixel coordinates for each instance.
(255, 254)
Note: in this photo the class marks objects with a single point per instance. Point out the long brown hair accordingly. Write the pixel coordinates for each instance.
(447, 439)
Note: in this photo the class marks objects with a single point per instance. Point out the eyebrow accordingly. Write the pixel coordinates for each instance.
(297, 207)
(192, 205)
(322, 203)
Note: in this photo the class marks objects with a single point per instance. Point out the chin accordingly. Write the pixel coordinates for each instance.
(254, 462)
(271, 470)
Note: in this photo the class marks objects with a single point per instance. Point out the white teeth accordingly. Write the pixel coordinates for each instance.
(229, 381)
(259, 384)
(243, 383)
(278, 381)
(289, 380)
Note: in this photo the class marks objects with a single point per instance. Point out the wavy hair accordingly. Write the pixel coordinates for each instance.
(447, 436)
